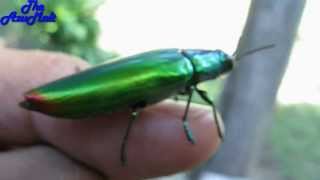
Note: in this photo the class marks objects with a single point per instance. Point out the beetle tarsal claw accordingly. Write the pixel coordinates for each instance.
(188, 132)
(123, 151)
(220, 126)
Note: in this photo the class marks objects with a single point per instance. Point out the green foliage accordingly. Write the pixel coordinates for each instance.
(76, 30)
(295, 139)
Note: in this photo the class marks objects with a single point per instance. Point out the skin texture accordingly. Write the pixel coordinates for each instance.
(43, 147)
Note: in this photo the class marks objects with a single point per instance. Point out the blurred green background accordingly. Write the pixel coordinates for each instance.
(76, 33)
(294, 147)
(294, 140)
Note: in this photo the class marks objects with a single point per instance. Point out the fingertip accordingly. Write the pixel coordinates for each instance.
(169, 150)
(157, 144)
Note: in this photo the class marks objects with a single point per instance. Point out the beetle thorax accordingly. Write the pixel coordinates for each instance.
(208, 64)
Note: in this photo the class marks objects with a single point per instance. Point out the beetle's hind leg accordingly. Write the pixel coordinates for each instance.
(123, 155)
(186, 127)
(204, 96)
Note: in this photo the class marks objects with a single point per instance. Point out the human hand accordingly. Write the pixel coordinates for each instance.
(36, 146)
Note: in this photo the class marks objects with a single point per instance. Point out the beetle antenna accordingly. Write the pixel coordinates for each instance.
(237, 57)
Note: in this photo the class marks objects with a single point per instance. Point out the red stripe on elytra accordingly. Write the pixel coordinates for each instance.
(40, 102)
(34, 97)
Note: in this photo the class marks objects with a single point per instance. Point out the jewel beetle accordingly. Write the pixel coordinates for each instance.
(133, 83)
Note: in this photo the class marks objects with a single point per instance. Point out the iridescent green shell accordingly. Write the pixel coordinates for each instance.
(130, 82)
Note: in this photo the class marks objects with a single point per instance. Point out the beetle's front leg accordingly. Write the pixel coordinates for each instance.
(204, 96)
(186, 127)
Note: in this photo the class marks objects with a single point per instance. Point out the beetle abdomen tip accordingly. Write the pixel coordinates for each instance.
(25, 105)
(32, 101)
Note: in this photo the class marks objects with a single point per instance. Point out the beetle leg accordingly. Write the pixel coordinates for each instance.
(186, 127)
(219, 122)
(182, 92)
(123, 155)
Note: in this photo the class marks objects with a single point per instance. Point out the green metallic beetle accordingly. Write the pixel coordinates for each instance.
(132, 83)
